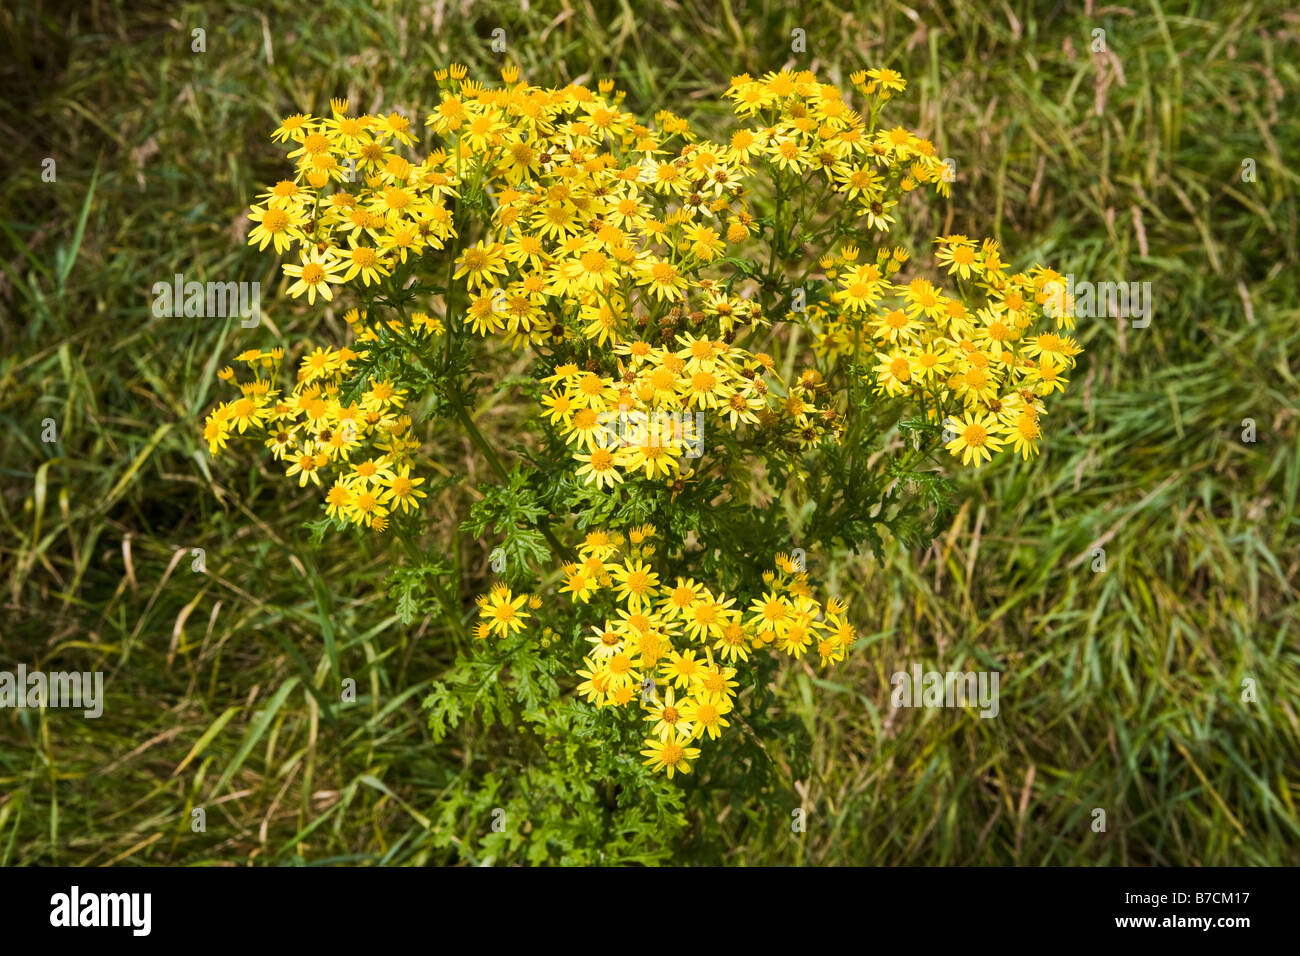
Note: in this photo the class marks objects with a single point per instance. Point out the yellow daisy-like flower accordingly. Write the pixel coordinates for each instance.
(894, 373)
(404, 490)
(368, 505)
(317, 271)
(662, 277)
(1025, 434)
(671, 755)
(682, 598)
(503, 611)
(307, 467)
(365, 261)
(600, 544)
(707, 715)
(667, 717)
(600, 467)
(977, 437)
(578, 583)
(771, 614)
(479, 263)
(595, 684)
(634, 583)
(681, 669)
(277, 225)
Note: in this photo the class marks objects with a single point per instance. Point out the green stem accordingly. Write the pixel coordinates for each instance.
(455, 400)
(481, 443)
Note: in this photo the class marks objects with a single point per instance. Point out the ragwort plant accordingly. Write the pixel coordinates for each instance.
(732, 367)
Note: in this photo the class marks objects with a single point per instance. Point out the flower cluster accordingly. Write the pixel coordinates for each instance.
(670, 643)
(364, 444)
(342, 234)
(651, 415)
(988, 367)
(601, 230)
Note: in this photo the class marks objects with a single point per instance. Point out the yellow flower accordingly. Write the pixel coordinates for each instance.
(667, 717)
(596, 683)
(733, 644)
(771, 614)
(367, 505)
(657, 455)
(315, 274)
(216, 430)
(1025, 434)
(706, 714)
(682, 599)
(365, 261)
(338, 500)
(600, 467)
(894, 373)
(276, 225)
(479, 263)
(404, 489)
(307, 467)
(663, 279)
(671, 755)
(320, 362)
(503, 611)
(382, 394)
(634, 583)
(682, 668)
(886, 79)
(976, 436)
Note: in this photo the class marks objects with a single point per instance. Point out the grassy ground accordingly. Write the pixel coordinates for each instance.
(1123, 688)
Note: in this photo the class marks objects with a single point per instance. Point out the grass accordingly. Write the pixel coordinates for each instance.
(1122, 689)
